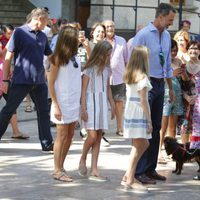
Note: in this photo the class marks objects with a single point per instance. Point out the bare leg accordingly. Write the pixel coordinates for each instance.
(15, 128)
(62, 132)
(89, 142)
(119, 114)
(162, 135)
(67, 142)
(60, 151)
(138, 148)
(95, 154)
(173, 119)
(28, 104)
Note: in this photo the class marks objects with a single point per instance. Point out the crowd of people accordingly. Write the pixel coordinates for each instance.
(156, 76)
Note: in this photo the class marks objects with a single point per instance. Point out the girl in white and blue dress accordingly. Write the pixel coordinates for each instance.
(65, 90)
(137, 117)
(94, 109)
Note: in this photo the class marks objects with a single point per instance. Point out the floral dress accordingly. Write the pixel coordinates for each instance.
(195, 139)
(188, 88)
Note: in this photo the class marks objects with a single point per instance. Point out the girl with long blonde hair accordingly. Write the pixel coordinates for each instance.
(137, 117)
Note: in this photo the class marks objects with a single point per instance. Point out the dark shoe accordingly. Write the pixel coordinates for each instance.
(145, 180)
(105, 142)
(52, 124)
(197, 178)
(119, 133)
(21, 137)
(156, 176)
(48, 149)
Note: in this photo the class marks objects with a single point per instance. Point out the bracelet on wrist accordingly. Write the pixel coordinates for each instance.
(6, 80)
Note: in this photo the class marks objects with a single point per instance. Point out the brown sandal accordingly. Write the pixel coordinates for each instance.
(119, 133)
(61, 176)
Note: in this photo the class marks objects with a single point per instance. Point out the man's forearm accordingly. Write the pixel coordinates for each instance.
(6, 70)
(169, 82)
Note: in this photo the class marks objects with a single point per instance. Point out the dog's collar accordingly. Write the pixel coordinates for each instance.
(183, 150)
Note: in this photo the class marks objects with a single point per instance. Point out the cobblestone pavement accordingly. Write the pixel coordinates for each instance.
(26, 173)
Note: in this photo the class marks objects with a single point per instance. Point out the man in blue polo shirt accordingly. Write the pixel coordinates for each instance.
(158, 40)
(28, 45)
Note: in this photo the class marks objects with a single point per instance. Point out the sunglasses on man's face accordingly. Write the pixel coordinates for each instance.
(162, 58)
(75, 64)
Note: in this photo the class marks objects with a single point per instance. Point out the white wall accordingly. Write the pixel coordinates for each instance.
(53, 5)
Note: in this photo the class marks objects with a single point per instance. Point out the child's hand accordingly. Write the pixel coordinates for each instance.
(84, 116)
(112, 111)
(149, 128)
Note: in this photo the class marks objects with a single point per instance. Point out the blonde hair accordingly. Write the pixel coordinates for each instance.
(184, 34)
(137, 66)
(66, 46)
(99, 56)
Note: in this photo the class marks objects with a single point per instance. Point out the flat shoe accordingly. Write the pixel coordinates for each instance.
(136, 187)
(123, 183)
(119, 133)
(162, 161)
(196, 178)
(82, 170)
(98, 178)
(61, 176)
(66, 173)
(21, 137)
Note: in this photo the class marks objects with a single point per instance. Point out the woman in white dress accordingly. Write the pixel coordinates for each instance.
(94, 110)
(137, 117)
(65, 90)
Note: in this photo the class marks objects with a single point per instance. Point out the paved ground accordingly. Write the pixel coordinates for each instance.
(25, 172)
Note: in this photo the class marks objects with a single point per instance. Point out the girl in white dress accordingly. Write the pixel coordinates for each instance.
(137, 117)
(94, 110)
(65, 90)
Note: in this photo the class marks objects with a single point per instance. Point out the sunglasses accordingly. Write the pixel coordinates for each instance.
(193, 48)
(75, 64)
(162, 58)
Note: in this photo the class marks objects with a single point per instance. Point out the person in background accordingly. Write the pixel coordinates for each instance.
(172, 110)
(119, 58)
(137, 116)
(60, 24)
(94, 109)
(158, 40)
(193, 67)
(28, 74)
(7, 32)
(185, 25)
(184, 126)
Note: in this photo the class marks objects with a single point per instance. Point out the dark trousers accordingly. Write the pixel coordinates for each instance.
(148, 161)
(39, 95)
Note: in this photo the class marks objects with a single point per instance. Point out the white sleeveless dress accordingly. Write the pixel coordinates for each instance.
(68, 93)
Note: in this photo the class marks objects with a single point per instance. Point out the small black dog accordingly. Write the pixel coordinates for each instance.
(180, 153)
